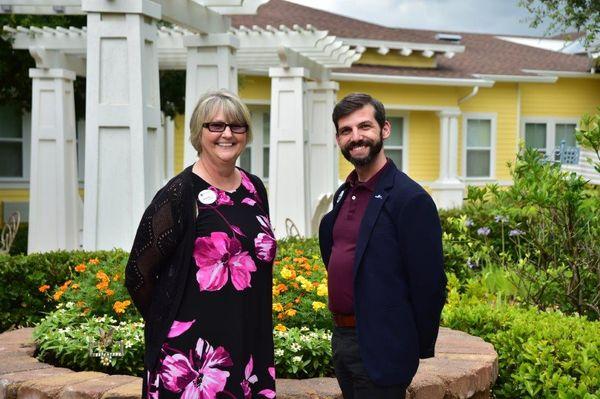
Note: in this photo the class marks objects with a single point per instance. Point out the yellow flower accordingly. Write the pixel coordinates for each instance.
(80, 268)
(75, 286)
(102, 276)
(277, 307)
(318, 306)
(44, 288)
(290, 312)
(116, 277)
(120, 307)
(280, 327)
(286, 273)
(322, 290)
(275, 291)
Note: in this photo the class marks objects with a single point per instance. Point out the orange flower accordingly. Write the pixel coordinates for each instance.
(119, 307)
(102, 276)
(94, 261)
(291, 312)
(280, 327)
(80, 268)
(80, 304)
(75, 286)
(44, 288)
(116, 277)
(57, 295)
(102, 285)
(299, 252)
(109, 292)
(281, 287)
(281, 316)
(295, 285)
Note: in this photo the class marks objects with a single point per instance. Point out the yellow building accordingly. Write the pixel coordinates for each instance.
(460, 104)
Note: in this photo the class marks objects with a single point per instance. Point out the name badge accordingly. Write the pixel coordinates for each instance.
(207, 197)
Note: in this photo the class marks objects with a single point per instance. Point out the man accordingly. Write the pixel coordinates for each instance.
(382, 246)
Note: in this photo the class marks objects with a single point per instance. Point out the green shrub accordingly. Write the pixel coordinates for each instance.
(542, 354)
(21, 302)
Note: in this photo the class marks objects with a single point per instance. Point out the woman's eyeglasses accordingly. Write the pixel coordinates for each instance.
(219, 127)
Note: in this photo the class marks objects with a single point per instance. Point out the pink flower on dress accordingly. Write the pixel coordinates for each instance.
(247, 183)
(249, 379)
(268, 393)
(272, 371)
(264, 243)
(179, 327)
(265, 247)
(217, 257)
(248, 201)
(222, 197)
(199, 375)
(152, 385)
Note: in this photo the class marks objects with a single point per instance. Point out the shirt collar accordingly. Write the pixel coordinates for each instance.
(370, 184)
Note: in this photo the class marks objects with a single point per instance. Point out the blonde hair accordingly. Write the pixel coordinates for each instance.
(234, 111)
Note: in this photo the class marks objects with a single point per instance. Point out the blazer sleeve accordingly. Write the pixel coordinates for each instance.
(157, 237)
(421, 238)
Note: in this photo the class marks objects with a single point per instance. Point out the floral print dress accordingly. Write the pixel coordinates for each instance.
(220, 344)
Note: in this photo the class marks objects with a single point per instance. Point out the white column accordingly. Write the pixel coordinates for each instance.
(53, 197)
(288, 153)
(323, 167)
(448, 190)
(122, 170)
(210, 66)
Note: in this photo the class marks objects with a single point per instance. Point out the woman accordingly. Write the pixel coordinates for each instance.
(200, 271)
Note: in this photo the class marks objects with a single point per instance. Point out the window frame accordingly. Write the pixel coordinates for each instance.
(22, 181)
(404, 146)
(493, 118)
(550, 123)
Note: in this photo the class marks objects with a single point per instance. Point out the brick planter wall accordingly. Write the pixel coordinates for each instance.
(464, 367)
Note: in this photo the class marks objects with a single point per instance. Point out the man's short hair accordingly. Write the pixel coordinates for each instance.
(355, 101)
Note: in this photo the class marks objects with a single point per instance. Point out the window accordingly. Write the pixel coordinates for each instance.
(11, 142)
(479, 136)
(255, 157)
(394, 145)
(547, 134)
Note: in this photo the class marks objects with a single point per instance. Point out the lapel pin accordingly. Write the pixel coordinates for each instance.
(378, 196)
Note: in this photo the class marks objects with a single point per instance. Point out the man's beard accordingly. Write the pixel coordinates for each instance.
(373, 146)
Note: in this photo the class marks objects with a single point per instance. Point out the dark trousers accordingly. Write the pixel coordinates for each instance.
(350, 370)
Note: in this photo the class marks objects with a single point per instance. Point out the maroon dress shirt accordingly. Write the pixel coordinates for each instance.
(340, 270)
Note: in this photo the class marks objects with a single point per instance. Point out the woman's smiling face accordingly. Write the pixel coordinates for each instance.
(222, 147)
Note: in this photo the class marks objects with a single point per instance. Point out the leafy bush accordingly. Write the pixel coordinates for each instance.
(544, 229)
(303, 353)
(542, 354)
(21, 301)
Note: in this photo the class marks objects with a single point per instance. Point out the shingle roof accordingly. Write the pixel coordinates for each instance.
(484, 53)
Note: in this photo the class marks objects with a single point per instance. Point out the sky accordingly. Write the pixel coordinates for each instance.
(482, 16)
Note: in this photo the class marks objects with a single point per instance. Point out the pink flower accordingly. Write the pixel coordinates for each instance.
(197, 376)
(247, 183)
(248, 201)
(264, 243)
(222, 197)
(268, 393)
(250, 379)
(179, 327)
(152, 385)
(218, 256)
(265, 247)
(272, 371)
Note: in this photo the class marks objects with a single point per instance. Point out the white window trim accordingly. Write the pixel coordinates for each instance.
(550, 123)
(21, 182)
(405, 128)
(493, 117)
(256, 146)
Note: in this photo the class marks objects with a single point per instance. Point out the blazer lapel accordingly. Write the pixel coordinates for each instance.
(374, 207)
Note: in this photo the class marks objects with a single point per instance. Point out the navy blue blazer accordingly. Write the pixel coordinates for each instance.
(399, 280)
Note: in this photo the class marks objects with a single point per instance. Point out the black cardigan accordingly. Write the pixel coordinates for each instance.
(161, 256)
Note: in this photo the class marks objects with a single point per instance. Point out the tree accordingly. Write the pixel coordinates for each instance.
(565, 16)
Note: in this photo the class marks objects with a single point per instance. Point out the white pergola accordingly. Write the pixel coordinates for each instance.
(120, 53)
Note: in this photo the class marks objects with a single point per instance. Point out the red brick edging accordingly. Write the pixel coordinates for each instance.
(464, 367)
